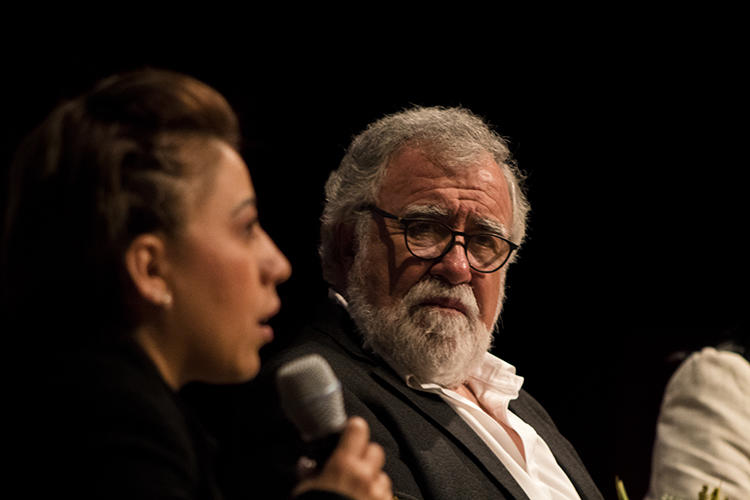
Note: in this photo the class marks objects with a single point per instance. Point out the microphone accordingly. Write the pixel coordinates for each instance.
(311, 398)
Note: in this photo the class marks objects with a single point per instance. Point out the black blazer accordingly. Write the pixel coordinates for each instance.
(100, 422)
(431, 452)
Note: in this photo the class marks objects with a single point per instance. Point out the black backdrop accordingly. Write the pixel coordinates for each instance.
(636, 246)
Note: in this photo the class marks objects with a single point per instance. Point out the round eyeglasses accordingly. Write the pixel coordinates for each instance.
(429, 239)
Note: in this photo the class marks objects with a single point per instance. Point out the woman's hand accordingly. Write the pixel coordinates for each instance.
(355, 467)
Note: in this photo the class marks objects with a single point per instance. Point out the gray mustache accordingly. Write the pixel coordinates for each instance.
(432, 288)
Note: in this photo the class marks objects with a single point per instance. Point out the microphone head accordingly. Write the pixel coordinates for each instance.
(311, 396)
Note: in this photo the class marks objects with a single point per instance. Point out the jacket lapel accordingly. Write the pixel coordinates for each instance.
(441, 415)
(565, 455)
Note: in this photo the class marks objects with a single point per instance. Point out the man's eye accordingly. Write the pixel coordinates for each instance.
(485, 241)
(421, 228)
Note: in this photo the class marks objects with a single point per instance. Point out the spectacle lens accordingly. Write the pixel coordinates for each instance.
(430, 240)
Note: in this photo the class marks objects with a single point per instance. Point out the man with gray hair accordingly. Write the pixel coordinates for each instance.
(422, 218)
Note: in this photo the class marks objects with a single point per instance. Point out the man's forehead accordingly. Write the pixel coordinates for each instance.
(485, 175)
(411, 165)
(477, 186)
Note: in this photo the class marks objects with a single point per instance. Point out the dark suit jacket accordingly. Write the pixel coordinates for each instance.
(431, 452)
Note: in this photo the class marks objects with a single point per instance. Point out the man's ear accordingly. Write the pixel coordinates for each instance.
(145, 262)
(346, 246)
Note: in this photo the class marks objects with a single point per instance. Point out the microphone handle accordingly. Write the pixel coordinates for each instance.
(320, 449)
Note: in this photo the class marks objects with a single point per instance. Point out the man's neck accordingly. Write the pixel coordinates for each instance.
(465, 391)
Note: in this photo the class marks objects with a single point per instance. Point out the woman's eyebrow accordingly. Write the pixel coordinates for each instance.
(250, 201)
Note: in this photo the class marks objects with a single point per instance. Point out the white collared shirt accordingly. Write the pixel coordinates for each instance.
(494, 384)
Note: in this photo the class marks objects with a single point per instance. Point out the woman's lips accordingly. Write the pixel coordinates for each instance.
(266, 332)
(272, 311)
(266, 329)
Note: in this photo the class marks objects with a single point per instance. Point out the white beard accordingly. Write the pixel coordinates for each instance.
(436, 346)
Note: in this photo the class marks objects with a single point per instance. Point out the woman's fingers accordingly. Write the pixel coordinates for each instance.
(381, 488)
(374, 455)
(355, 437)
(355, 468)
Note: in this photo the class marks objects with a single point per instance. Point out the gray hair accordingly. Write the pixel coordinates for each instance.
(450, 136)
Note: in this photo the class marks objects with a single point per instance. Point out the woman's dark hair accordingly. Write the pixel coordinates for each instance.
(101, 169)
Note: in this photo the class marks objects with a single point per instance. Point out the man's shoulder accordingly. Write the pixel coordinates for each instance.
(526, 404)
(347, 359)
(329, 333)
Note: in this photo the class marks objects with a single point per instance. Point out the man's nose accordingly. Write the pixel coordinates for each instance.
(453, 267)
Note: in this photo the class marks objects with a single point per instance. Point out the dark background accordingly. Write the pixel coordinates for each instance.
(635, 159)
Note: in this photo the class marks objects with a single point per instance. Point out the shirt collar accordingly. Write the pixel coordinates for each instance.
(492, 375)
(338, 298)
(493, 382)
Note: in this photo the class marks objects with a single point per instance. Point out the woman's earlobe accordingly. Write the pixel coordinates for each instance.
(145, 264)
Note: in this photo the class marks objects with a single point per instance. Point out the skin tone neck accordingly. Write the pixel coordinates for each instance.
(146, 264)
(146, 336)
(465, 391)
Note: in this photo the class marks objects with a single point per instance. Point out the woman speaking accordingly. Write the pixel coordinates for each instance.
(133, 262)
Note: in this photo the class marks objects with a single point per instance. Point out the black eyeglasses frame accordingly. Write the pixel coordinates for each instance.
(405, 221)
